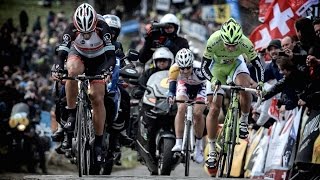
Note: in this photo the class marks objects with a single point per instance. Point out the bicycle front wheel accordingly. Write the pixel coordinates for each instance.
(232, 141)
(81, 140)
(187, 148)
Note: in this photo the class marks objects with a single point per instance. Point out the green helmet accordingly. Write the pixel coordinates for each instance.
(231, 32)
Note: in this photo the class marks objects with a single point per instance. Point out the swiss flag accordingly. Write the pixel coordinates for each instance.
(279, 22)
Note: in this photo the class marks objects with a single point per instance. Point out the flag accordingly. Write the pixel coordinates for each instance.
(263, 7)
(279, 22)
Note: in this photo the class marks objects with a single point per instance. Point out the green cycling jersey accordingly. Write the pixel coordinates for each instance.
(216, 50)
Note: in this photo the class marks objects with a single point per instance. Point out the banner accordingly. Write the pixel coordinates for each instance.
(222, 13)
(279, 22)
(308, 151)
(163, 5)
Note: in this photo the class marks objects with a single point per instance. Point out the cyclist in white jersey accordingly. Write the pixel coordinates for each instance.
(187, 82)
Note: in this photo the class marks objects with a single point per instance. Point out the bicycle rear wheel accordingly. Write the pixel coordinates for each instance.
(187, 149)
(231, 142)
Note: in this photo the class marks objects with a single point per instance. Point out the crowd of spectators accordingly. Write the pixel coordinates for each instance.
(26, 58)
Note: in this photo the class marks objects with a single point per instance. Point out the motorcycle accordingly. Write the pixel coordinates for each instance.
(25, 146)
(155, 136)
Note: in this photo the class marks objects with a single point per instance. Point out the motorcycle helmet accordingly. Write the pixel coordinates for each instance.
(162, 53)
(184, 58)
(114, 23)
(171, 19)
(231, 32)
(85, 18)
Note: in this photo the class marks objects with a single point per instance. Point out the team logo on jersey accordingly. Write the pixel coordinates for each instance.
(107, 37)
(66, 38)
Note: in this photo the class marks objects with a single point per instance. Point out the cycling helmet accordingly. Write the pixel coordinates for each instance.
(231, 32)
(184, 58)
(162, 53)
(85, 18)
(171, 19)
(114, 23)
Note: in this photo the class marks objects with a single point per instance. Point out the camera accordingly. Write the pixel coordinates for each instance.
(282, 53)
(156, 25)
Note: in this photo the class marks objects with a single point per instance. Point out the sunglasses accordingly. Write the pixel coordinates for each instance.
(183, 68)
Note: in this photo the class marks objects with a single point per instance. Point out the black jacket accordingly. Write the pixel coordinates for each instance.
(174, 43)
(290, 87)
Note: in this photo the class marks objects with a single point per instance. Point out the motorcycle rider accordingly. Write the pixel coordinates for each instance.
(166, 36)
(114, 23)
(162, 59)
(187, 82)
(89, 46)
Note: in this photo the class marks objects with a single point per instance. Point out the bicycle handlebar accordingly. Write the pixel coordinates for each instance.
(239, 88)
(189, 102)
(83, 77)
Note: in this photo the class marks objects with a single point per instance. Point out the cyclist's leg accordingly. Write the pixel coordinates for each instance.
(199, 124)
(178, 122)
(241, 77)
(75, 67)
(215, 104)
(96, 95)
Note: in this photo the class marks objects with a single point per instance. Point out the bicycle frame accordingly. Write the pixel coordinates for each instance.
(229, 136)
(188, 138)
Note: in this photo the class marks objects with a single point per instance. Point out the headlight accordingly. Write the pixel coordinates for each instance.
(21, 127)
(13, 122)
(24, 121)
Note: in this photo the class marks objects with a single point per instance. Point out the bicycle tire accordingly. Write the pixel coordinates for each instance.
(86, 135)
(187, 149)
(232, 142)
(223, 141)
(79, 117)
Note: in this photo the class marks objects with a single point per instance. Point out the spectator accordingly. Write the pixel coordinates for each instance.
(37, 25)
(295, 52)
(291, 85)
(271, 69)
(24, 21)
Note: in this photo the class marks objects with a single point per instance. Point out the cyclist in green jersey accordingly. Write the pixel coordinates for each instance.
(220, 61)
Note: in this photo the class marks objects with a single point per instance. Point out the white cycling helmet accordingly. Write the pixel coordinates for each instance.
(114, 23)
(184, 58)
(171, 19)
(162, 53)
(85, 18)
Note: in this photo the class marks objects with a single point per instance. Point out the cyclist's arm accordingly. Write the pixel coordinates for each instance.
(109, 48)
(208, 55)
(173, 76)
(63, 49)
(205, 68)
(253, 56)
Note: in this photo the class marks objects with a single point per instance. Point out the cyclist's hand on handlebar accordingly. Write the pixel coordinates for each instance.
(171, 100)
(56, 72)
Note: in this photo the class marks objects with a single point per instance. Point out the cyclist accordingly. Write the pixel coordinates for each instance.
(221, 52)
(187, 82)
(166, 36)
(89, 46)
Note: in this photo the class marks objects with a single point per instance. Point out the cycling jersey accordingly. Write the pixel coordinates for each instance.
(192, 86)
(195, 78)
(216, 51)
(98, 44)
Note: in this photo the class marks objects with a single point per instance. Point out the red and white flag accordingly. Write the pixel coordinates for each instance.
(263, 8)
(279, 21)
